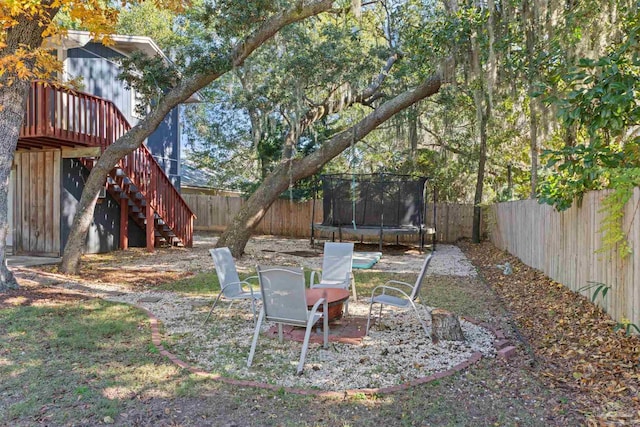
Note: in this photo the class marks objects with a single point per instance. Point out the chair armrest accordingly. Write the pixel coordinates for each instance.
(317, 305)
(313, 277)
(251, 290)
(241, 283)
(250, 278)
(385, 288)
(397, 282)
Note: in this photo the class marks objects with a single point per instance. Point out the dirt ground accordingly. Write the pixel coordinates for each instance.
(551, 381)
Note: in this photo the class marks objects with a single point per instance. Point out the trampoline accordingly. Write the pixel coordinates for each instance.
(373, 205)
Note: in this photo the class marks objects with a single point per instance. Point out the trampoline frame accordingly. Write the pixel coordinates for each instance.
(360, 230)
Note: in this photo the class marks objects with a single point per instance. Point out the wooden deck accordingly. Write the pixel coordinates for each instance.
(58, 117)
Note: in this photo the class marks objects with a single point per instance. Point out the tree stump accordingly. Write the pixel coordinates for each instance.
(445, 326)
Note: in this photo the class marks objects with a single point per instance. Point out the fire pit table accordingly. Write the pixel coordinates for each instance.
(336, 298)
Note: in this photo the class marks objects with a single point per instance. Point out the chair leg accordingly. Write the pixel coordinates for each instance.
(253, 310)
(255, 338)
(424, 325)
(212, 307)
(325, 322)
(369, 319)
(353, 288)
(305, 344)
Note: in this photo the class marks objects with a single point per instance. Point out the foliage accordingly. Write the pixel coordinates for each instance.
(601, 104)
(627, 326)
(318, 66)
(150, 77)
(598, 289)
(55, 16)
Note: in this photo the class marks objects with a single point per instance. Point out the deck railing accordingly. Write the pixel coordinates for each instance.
(77, 118)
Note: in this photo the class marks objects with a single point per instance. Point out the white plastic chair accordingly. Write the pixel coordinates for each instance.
(284, 301)
(231, 287)
(401, 298)
(337, 263)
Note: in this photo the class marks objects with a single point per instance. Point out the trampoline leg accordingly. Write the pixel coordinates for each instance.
(380, 245)
(333, 236)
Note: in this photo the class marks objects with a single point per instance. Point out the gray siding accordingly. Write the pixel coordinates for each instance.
(98, 67)
(165, 147)
(104, 233)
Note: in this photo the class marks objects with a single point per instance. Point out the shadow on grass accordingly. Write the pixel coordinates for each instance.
(75, 362)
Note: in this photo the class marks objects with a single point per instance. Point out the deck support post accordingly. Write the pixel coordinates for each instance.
(148, 212)
(124, 223)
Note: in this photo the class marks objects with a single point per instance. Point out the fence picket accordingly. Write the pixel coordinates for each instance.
(563, 245)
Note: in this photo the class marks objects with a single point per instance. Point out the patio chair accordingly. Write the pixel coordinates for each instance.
(284, 301)
(336, 272)
(397, 297)
(231, 287)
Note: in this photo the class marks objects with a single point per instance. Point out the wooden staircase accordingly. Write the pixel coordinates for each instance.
(58, 117)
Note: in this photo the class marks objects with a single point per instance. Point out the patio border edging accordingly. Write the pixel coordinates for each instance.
(157, 341)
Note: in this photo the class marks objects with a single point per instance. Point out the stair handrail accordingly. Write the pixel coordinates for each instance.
(106, 123)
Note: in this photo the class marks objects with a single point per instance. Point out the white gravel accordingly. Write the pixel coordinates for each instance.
(395, 351)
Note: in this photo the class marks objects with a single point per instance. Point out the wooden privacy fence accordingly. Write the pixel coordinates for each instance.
(286, 218)
(563, 245)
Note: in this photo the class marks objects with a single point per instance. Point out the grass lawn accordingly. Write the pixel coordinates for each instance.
(77, 362)
(88, 362)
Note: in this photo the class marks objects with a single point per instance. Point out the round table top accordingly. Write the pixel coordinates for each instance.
(333, 295)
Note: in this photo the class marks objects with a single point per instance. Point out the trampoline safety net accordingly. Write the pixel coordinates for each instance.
(373, 200)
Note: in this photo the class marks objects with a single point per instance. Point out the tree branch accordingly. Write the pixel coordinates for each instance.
(180, 93)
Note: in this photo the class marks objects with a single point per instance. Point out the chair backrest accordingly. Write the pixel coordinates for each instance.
(226, 271)
(423, 272)
(283, 294)
(337, 260)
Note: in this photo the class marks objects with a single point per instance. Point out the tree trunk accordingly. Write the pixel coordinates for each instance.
(483, 109)
(477, 200)
(239, 231)
(183, 90)
(13, 95)
(533, 124)
(12, 98)
(531, 25)
(445, 326)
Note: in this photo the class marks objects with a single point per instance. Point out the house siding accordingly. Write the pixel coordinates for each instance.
(165, 146)
(97, 66)
(99, 69)
(104, 232)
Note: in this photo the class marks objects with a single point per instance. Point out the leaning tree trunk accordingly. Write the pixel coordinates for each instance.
(27, 33)
(239, 231)
(183, 90)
